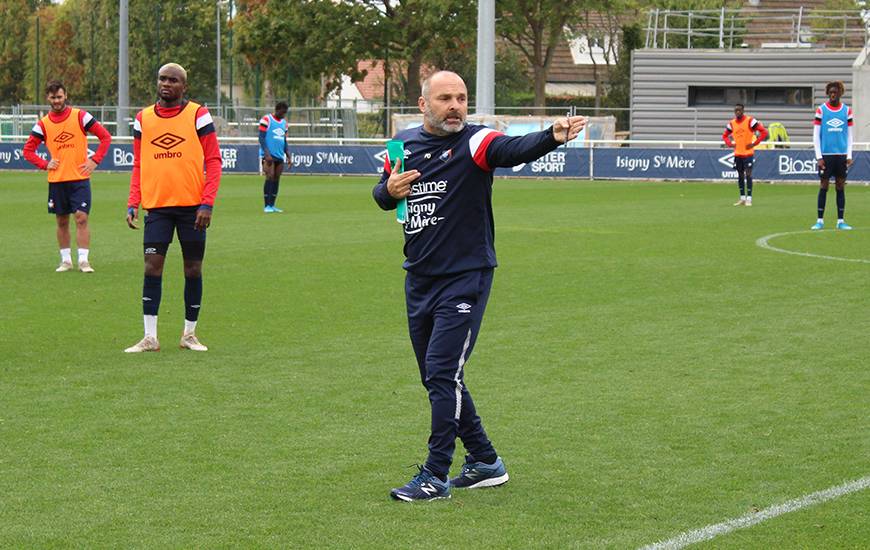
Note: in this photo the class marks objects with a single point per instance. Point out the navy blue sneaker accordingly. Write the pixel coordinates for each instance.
(422, 487)
(475, 475)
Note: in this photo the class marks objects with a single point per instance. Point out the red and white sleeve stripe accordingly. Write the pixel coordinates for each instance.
(479, 143)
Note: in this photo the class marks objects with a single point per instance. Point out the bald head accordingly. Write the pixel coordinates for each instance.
(444, 103)
(441, 78)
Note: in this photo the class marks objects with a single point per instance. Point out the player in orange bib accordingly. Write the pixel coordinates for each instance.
(740, 134)
(173, 142)
(64, 132)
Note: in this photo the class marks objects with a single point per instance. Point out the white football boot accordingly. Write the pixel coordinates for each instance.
(149, 343)
(189, 341)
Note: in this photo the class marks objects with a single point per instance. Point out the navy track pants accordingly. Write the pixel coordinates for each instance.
(444, 317)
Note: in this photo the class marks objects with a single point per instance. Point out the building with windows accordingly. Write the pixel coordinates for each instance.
(775, 57)
(682, 94)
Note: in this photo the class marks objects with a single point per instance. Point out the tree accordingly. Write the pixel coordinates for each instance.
(79, 45)
(179, 31)
(536, 27)
(407, 29)
(13, 57)
(597, 33)
(619, 94)
(296, 44)
(324, 39)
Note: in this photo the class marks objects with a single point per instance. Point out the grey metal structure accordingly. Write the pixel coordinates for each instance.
(486, 57)
(661, 81)
(123, 67)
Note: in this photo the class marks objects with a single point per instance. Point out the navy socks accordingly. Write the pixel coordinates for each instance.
(192, 297)
(841, 203)
(823, 198)
(151, 293)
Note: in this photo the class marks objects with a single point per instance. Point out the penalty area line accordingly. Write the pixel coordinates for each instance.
(712, 531)
(764, 242)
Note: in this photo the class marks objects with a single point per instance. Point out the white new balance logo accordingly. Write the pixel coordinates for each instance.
(429, 489)
(463, 308)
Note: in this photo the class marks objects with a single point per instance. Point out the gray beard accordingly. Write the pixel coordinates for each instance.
(442, 127)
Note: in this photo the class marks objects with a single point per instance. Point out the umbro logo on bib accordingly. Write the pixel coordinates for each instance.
(835, 122)
(167, 141)
(63, 137)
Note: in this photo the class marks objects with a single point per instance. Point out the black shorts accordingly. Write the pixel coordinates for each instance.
(161, 223)
(743, 163)
(67, 197)
(835, 167)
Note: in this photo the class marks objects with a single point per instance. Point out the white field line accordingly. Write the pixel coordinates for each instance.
(711, 531)
(764, 242)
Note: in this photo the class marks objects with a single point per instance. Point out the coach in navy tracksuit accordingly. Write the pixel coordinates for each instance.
(449, 245)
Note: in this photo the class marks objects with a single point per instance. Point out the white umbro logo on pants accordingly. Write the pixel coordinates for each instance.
(463, 308)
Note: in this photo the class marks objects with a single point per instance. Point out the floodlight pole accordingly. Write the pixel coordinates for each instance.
(485, 101)
(218, 72)
(123, 69)
(230, 38)
(36, 93)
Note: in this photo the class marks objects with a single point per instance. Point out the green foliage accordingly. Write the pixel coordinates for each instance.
(535, 27)
(295, 43)
(833, 23)
(180, 31)
(619, 91)
(79, 45)
(299, 40)
(705, 25)
(13, 54)
(511, 77)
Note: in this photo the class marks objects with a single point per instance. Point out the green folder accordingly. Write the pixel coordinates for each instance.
(396, 154)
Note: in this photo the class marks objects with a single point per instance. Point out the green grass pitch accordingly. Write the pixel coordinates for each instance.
(644, 369)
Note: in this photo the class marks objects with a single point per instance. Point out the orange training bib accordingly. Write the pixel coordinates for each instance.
(67, 143)
(171, 160)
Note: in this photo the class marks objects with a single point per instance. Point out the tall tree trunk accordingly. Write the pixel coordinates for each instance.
(540, 86)
(412, 90)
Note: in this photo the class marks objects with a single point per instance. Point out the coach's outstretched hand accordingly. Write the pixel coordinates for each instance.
(568, 128)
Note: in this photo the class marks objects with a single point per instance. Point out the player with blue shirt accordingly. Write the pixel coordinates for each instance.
(449, 246)
(274, 153)
(832, 141)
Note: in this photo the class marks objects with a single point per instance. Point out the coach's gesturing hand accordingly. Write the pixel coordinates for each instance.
(399, 184)
(568, 128)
